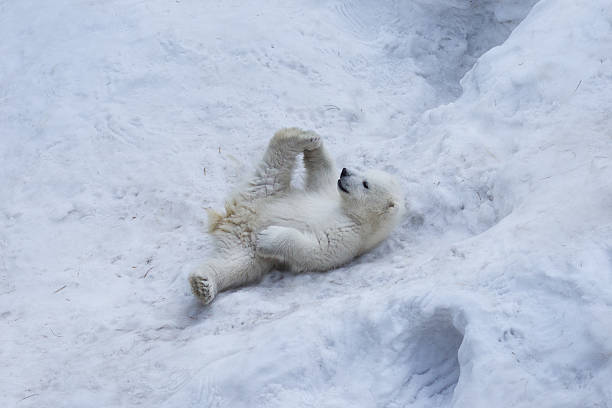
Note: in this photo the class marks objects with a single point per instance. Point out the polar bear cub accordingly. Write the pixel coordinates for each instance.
(269, 224)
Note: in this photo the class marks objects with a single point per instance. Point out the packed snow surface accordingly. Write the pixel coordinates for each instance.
(120, 121)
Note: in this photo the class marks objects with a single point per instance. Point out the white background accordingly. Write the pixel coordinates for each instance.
(121, 120)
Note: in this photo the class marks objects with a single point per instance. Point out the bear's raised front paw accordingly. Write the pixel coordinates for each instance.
(298, 139)
(310, 140)
(203, 287)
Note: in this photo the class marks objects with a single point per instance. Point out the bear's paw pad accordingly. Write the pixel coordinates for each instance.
(204, 288)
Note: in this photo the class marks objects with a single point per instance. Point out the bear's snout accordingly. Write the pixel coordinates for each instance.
(345, 172)
(341, 186)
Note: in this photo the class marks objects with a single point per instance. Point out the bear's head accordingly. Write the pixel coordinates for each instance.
(374, 200)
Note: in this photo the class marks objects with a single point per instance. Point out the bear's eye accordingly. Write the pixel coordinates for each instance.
(365, 184)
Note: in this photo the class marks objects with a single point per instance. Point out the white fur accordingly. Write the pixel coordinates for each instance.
(269, 224)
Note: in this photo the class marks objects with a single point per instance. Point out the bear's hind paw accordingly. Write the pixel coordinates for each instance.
(203, 287)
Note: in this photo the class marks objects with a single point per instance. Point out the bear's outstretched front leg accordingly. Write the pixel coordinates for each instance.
(302, 251)
(218, 275)
(320, 169)
(273, 175)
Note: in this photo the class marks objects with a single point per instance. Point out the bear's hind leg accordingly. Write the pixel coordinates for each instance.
(203, 283)
(218, 275)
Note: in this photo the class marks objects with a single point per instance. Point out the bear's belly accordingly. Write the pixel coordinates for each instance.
(310, 212)
(307, 212)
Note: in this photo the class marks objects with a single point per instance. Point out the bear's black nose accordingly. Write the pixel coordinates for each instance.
(344, 172)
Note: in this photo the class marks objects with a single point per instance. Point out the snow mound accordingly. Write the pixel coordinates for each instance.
(438, 41)
(391, 354)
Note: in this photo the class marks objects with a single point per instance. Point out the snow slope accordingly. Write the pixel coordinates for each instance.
(121, 120)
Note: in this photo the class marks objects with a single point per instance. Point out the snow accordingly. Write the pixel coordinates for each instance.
(120, 121)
